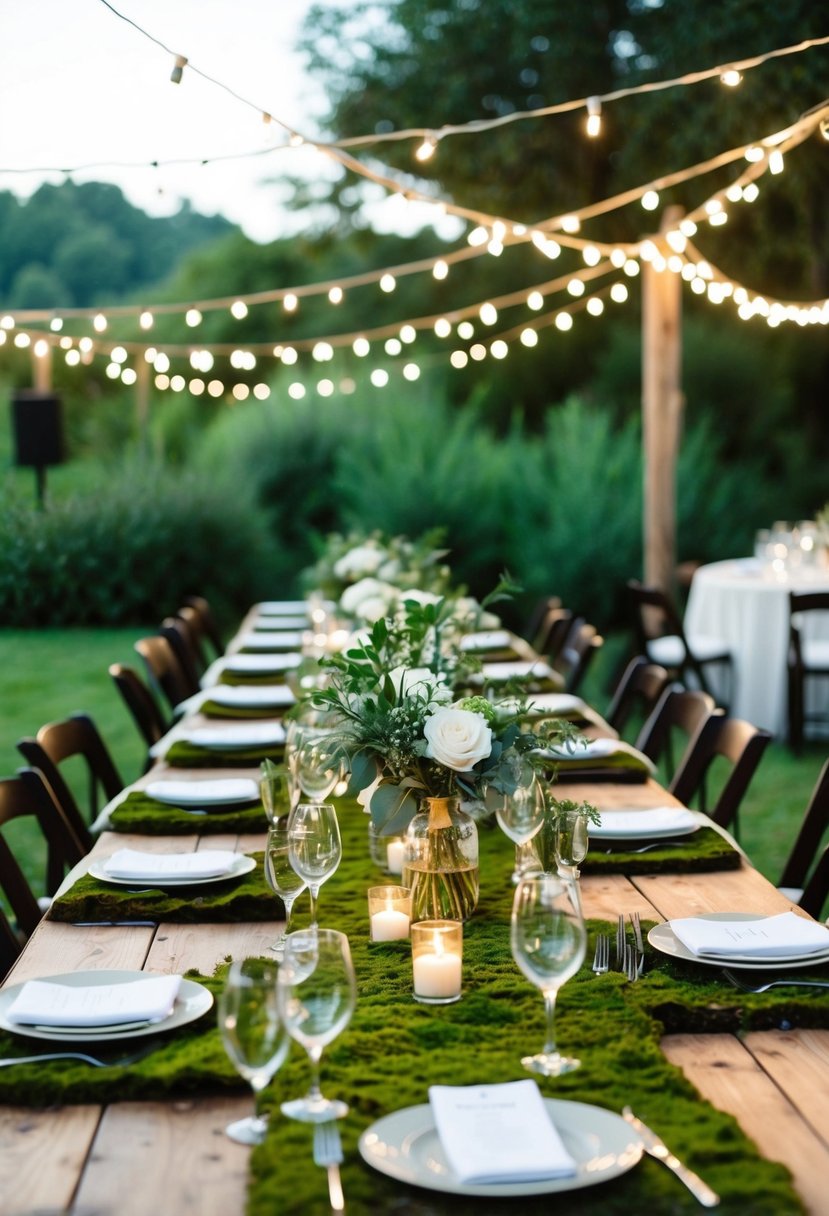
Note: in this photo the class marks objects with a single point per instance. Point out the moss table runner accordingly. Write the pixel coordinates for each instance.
(182, 754)
(248, 898)
(139, 813)
(394, 1049)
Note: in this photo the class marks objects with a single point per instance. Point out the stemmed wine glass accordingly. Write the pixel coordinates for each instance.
(253, 1034)
(276, 791)
(570, 846)
(548, 940)
(314, 845)
(317, 994)
(320, 764)
(516, 796)
(282, 878)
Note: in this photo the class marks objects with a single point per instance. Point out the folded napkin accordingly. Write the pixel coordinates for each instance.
(134, 863)
(520, 669)
(498, 1133)
(261, 663)
(192, 793)
(487, 639)
(769, 937)
(246, 734)
(599, 753)
(557, 704)
(655, 821)
(43, 1003)
(252, 696)
(281, 607)
(283, 639)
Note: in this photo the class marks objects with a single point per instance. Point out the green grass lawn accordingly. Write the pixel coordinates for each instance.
(49, 674)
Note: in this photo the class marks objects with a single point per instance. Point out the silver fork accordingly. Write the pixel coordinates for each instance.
(636, 925)
(601, 959)
(620, 942)
(328, 1152)
(794, 983)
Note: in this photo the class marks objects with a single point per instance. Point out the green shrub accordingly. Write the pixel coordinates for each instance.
(127, 549)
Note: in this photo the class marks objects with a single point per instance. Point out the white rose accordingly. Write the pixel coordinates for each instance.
(419, 597)
(364, 559)
(406, 679)
(372, 609)
(367, 589)
(457, 738)
(389, 570)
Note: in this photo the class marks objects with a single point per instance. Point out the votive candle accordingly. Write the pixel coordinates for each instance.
(437, 949)
(394, 855)
(390, 913)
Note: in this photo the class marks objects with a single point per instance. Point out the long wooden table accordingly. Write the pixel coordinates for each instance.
(173, 1157)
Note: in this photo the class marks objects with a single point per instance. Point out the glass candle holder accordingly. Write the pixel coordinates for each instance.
(437, 950)
(389, 913)
(386, 851)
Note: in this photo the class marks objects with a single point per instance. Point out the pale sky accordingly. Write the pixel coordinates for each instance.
(79, 85)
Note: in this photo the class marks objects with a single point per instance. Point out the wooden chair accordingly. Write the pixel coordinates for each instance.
(10, 946)
(554, 631)
(660, 635)
(793, 880)
(178, 634)
(739, 744)
(142, 705)
(28, 795)
(638, 690)
(679, 711)
(196, 634)
(807, 661)
(582, 644)
(165, 671)
(58, 742)
(209, 625)
(817, 888)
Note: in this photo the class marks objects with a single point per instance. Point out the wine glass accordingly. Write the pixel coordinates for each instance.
(320, 763)
(317, 994)
(282, 878)
(253, 1034)
(314, 845)
(548, 939)
(570, 845)
(276, 791)
(518, 801)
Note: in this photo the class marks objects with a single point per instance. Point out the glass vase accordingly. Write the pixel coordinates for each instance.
(440, 861)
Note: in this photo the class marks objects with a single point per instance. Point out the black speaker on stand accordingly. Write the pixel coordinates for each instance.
(38, 433)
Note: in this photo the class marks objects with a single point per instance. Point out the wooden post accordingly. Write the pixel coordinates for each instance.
(662, 405)
(142, 400)
(42, 370)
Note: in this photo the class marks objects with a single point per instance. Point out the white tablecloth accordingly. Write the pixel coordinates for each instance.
(746, 603)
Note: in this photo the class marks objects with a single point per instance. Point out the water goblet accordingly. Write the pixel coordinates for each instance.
(320, 764)
(518, 801)
(314, 845)
(317, 994)
(253, 1034)
(276, 791)
(282, 878)
(570, 846)
(548, 940)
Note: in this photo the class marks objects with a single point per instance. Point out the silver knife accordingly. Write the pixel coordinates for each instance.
(657, 1148)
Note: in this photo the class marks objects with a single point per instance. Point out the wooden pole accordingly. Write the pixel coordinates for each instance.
(142, 401)
(42, 371)
(662, 407)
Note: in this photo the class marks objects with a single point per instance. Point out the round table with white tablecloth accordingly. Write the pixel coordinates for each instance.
(746, 603)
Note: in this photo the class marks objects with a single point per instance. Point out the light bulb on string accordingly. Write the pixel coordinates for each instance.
(388, 283)
(335, 295)
(145, 320)
(595, 306)
(564, 321)
(477, 352)
(591, 255)
(99, 323)
(570, 223)
(192, 317)
(529, 337)
(290, 302)
(535, 301)
(459, 359)
(750, 192)
(411, 371)
(499, 349)
(427, 149)
(466, 330)
(440, 269)
(593, 125)
(379, 377)
(650, 200)
(56, 324)
(239, 309)
(731, 77)
(408, 334)
(178, 68)
(776, 161)
(754, 154)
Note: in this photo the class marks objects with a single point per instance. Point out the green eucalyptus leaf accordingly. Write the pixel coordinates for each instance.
(392, 808)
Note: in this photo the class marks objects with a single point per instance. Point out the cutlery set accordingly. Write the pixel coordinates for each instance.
(629, 956)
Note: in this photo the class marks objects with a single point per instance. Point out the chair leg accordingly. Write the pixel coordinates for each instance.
(795, 711)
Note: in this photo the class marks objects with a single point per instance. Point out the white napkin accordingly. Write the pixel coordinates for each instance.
(498, 1133)
(555, 703)
(287, 621)
(241, 735)
(133, 863)
(487, 639)
(251, 696)
(261, 663)
(771, 937)
(536, 669)
(655, 821)
(192, 793)
(597, 749)
(283, 639)
(282, 607)
(42, 1003)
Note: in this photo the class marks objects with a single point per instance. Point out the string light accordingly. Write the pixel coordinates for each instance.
(388, 283)
(650, 200)
(335, 295)
(440, 270)
(775, 161)
(193, 317)
(239, 309)
(593, 125)
(427, 149)
(731, 78)
(178, 68)
(99, 323)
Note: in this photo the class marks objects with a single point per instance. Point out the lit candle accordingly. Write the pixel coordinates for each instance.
(394, 856)
(389, 925)
(436, 961)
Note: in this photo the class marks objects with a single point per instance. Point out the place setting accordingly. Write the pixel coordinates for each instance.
(602, 759)
(231, 744)
(201, 805)
(744, 941)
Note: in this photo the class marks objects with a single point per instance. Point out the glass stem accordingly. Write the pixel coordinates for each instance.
(313, 892)
(550, 995)
(314, 1091)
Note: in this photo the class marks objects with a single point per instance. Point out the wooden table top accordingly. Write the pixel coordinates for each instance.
(143, 1157)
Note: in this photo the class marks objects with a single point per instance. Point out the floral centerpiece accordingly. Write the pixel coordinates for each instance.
(393, 563)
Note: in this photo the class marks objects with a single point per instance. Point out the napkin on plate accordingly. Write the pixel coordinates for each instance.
(253, 734)
(282, 639)
(655, 821)
(770, 937)
(133, 863)
(535, 669)
(191, 793)
(44, 1003)
(498, 1133)
(261, 663)
(599, 752)
(252, 696)
(487, 639)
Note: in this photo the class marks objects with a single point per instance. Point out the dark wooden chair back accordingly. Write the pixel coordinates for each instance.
(164, 669)
(817, 888)
(741, 745)
(28, 795)
(10, 946)
(581, 646)
(209, 625)
(654, 616)
(799, 668)
(638, 690)
(177, 632)
(139, 700)
(809, 835)
(58, 742)
(678, 712)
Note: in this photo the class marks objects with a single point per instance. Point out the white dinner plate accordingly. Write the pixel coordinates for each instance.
(225, 791)
(663, 938)
(251, 696)
(236, 738)
(282, 607)
(243, 865)
(405, 1145)
(282, 639)
(260, 664)
(192, 1001)
(286, 621)
(618, 828)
